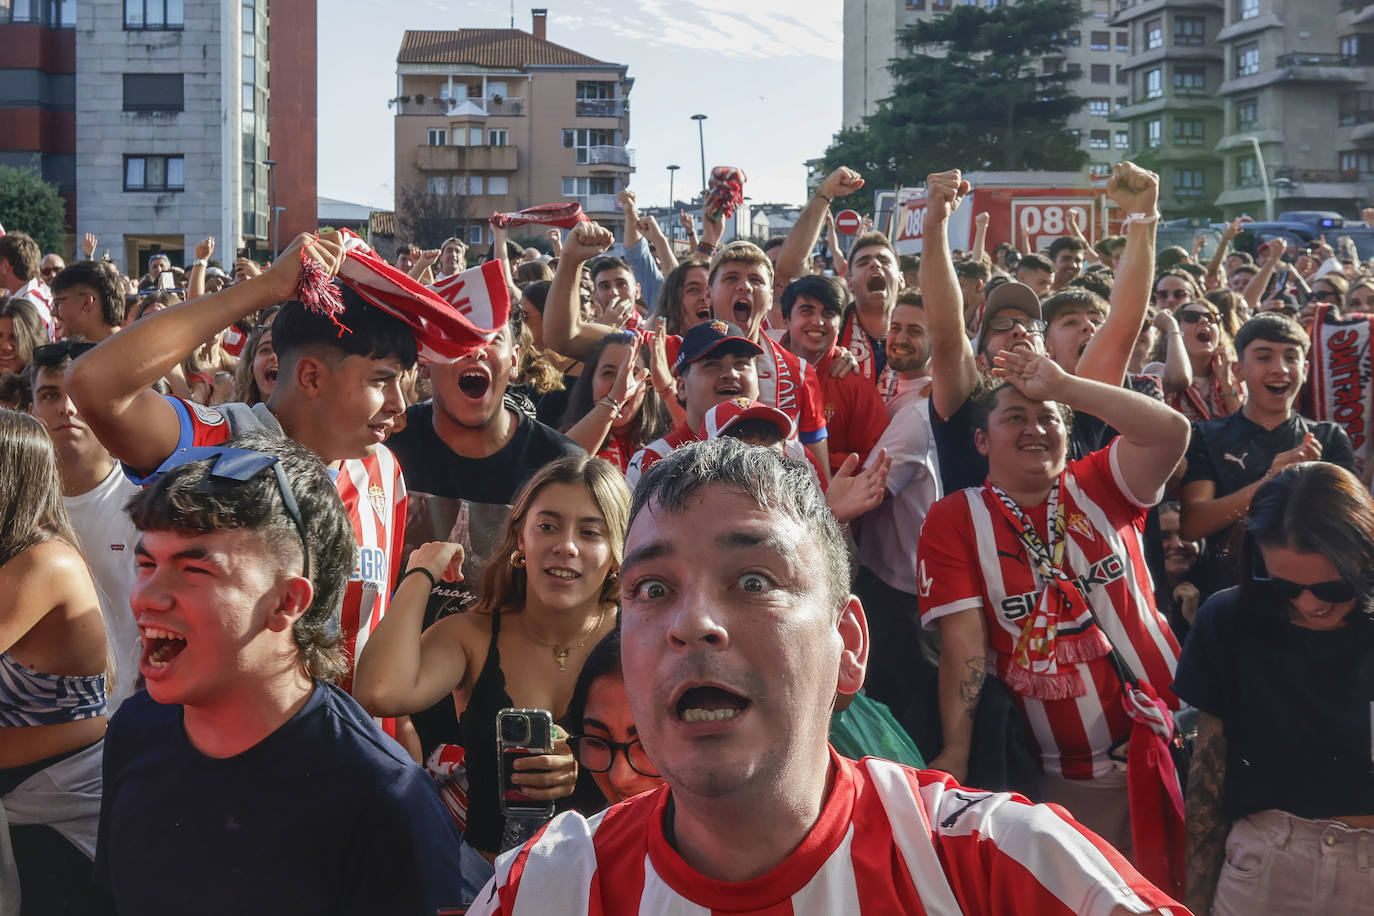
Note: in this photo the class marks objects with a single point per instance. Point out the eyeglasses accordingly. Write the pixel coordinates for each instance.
(1323, 295)
(1337, 591)
(1195, 316)
(1179, 294)
(50, 271)
(1031, 325)
(54, 353)
(241, 465)
(598, 755)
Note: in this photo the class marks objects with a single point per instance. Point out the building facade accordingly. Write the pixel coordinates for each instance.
(493, 120)
(1225, 95)
(38, 92)
(1095, 49)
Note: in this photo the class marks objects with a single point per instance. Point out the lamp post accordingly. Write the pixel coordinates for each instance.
(672, 173)
(701, 138)
(1264, 179)
(272, 192)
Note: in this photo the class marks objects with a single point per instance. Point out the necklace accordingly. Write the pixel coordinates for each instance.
(560, 653)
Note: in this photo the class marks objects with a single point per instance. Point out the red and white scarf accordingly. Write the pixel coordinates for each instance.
(564, 216)
(1041, 664)
(855, 338)
(1340, 387)
(724, 193)
(784, 385)
(1158, 836)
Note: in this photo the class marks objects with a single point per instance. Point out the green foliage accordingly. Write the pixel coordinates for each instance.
(29, 204)
(968, 95)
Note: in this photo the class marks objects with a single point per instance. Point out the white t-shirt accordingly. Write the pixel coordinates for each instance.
(107, 539)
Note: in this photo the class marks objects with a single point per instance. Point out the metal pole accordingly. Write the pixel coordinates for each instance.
(272, 192)
(672, 229)
(701, 138)
(1264, 179)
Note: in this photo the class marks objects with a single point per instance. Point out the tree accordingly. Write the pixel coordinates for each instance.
(30, 204)
(968, 94)
(425, 219)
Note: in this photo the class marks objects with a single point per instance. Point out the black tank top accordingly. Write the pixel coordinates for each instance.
(477, 734)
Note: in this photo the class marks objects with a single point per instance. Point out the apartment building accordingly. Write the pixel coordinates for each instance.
(1228, 93)
(503, 119)
(38, 92)
(1095, 49)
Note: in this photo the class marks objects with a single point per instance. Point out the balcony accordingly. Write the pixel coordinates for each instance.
(602, 108)
(1308, 67)
(466, 158)
(471, 107)
(598, 203)
(607, 158)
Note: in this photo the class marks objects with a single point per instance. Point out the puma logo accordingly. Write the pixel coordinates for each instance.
(1227, 456)
(924, 581)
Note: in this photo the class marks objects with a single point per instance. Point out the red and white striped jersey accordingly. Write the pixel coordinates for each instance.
(889, 839)
(659, 448)
(976, 560)
(37, 292)
(374, 492)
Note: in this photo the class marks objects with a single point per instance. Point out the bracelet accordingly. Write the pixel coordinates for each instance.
(422, 571)
(201, 262)
(610, 405)
(1143, 218)
(706, 248)
(828, 200)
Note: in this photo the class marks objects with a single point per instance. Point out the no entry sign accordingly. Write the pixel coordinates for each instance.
(847, 222)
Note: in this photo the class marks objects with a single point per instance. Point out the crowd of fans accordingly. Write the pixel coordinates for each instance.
(1059, 527)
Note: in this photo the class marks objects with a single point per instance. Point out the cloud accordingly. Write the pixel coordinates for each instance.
(762, 30)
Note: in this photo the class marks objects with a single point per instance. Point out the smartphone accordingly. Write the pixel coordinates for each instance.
(166, 280)
(522, 733)
(241, 253)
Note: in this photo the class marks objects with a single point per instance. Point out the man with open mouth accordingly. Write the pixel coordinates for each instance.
(241, 780)
(739, 633)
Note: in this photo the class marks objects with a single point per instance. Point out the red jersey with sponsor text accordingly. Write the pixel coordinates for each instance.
(969, 556)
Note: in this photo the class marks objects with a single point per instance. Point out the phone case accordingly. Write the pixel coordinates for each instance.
(538, 741)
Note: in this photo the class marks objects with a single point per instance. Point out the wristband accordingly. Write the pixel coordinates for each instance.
(1143, 218)
(706, 248)
(201, 262)
(610, 405)
(422, 571)
(828, 200)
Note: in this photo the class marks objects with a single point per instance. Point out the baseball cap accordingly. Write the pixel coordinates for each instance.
(703, 339)
(215, 272)
(1010, 295)
(727, 413)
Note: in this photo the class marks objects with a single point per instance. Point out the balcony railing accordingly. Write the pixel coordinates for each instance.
(1313, 59)
(433, 105)
(466, 158)
(598, 203)
(601, 108)
(1294, 173)
(607, 155)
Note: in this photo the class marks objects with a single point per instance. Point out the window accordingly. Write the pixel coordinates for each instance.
(1356, 164)
(1101, 73)
(437, 136)
(1051, 65)
(1189, 30)
(1154, 83)
(498, 184)
(55, 14)
(154, 173)
(1099, 169)
(1123, 41)
(582, 140)
(437, 185)
(1247, 9)
(581, 187)
(1100, 139)
(1153, 133)
(460, 184)
(1357, 107)
(474, 184)
(1099, 107)
(939, 5)
(154, 92)
(1247, 59)
(1100, 41)
(1154, 34)
(498, 137)
(1189, 131)
(1122, 77)
(915, 4)
(1073, 67)
(597, 99)
(1247, 114)
(1247, 171)
(1123, 139)
(153, 14)
(1188, 182)
(1190, 81)
(1350, 47)
(1075, 38)
(475, 234)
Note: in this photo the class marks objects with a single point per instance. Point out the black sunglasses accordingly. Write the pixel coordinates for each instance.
(1323, 295)
(1336, 591)
(240, 465)
(54, 353)
(598, 755)
(1195, 317)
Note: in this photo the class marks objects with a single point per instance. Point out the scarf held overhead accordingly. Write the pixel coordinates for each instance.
(564, 216)
(1339, 388)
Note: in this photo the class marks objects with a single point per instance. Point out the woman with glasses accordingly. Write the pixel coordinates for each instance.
(1173, 287)
(53, 664)
(1215, 391)
(1280, 803)
(1331, 290)
(21, 332)
(1360, 298)
(604, 739)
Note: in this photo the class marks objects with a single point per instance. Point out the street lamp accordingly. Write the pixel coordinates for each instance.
(672, 173)
(1264, 178)
(272, 192)
(701, 138)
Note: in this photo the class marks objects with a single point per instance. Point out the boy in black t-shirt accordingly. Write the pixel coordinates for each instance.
(242, 781)
(1230, 457)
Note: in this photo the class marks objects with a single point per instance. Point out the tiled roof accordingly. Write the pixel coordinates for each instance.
(506, 48)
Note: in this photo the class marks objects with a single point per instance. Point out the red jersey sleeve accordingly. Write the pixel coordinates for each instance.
(811, 418)
(199, 426)
(1099, 476)
(947, 569)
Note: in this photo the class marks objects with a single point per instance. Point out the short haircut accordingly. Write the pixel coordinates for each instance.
(1271, 327)
(775, 483)
(371, 332)
(538, 293)
(973, 270)
(533, 272)
(1247, 268)
(739, 252)
(1072, 299)
(830, 292)
(776, 241)
(1110, 245)
(22, 252)
(1173, 256)
(1245, 259)
(1035, 261)
(1065, 243)
(99, 276)
(868, 240)
(910, 297)
(983, 401)
(1098, 281)
(189, 499)
(610, 263)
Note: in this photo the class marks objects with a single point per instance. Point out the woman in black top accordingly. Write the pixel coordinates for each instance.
(1280, 803)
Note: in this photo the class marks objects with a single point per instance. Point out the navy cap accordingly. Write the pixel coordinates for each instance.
(703, 339)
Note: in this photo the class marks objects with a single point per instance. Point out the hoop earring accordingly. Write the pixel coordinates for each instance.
(517, 559)
(613, 576)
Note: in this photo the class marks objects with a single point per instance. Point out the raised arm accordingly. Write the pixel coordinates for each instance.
(804, 235)
(1228, 235)
(195, 277)
(832, 237)
(1089, 250)
(980, 236)
(1108, 353)
(591, 431)
(627, 206)
(663, 250)
(1178, 368)
(953, 364)
(1274, 251)
(402, 670)
(564, 330)
(111, 385)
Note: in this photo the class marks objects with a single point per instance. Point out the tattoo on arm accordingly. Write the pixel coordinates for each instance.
(971, 688)
(1207, 823)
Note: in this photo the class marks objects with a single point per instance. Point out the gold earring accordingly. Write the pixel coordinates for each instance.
(614, 576)
(517, 559)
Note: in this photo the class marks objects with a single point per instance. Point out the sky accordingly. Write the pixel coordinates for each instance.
(766, 73)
